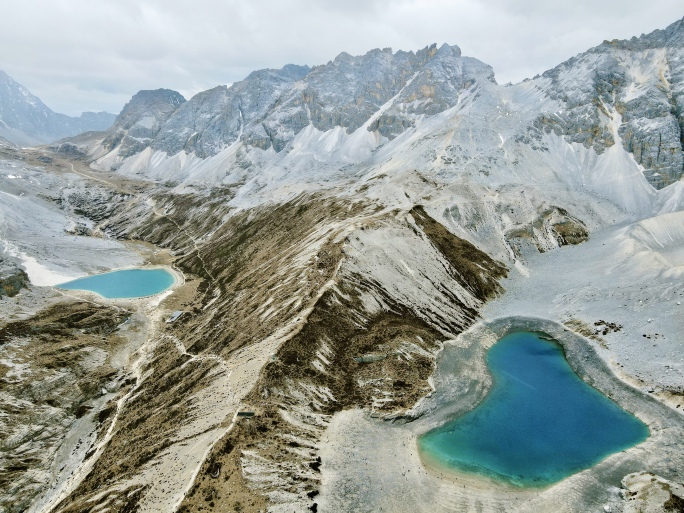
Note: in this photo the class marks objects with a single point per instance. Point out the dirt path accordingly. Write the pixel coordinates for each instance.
(149, 309)
(153, 204)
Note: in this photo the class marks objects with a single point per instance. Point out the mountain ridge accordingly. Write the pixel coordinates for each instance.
(580, 100)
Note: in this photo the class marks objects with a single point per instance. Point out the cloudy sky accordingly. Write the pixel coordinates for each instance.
(94, 54)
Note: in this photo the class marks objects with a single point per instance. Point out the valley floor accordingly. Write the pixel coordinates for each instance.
(162, 421)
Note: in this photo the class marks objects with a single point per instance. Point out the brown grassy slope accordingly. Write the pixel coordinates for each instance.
(64, 354)
(318, 373)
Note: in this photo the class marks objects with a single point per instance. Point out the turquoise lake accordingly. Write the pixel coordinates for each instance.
(538, 424)
(124, 284)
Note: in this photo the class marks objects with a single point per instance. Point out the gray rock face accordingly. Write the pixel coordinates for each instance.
(631, 90)
(270, 107)
(25, 120)
(215, 118)
(348, 91)
(345, 92)
(12, 278)
(434, 89)
(141, 119)
(627, 92)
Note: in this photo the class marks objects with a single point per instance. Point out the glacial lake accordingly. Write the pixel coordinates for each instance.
(538, 424)
(124, 284)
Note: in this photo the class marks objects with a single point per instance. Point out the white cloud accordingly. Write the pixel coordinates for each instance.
(93, 55)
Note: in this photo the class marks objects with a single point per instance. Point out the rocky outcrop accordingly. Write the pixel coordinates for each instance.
(648, 492)
(552, 228)
(12, 279)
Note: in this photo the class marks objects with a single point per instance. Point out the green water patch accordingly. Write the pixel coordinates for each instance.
(539, 423)
(124, 284)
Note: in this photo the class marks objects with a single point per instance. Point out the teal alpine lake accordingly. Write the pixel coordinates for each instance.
(124, 284)
(538, 424)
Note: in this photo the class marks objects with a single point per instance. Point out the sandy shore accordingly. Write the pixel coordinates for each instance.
(376, 465)
(474, 481)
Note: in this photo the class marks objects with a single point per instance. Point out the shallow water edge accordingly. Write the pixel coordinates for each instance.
(454, 397)
(176, 279)
(539, 422)
(377, 466)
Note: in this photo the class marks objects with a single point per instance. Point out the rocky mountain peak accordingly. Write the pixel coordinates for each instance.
(451, 50)
(672, 35)
(158, 103)
(141, 119)
(294, 71)
(628, 92)
(271, 106)
(13, 96)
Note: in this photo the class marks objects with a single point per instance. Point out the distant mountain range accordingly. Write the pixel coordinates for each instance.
(26, 121)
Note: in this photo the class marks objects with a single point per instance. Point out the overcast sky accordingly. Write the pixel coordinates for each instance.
(81, 55)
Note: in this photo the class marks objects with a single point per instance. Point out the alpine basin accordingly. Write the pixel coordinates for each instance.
(124, 284)
(538, 424)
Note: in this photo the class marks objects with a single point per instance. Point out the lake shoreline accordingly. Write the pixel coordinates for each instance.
(366, 449)
(178, 280)
(534, 386)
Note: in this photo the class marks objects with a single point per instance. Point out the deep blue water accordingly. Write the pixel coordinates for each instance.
(537, 425)
(127, 283)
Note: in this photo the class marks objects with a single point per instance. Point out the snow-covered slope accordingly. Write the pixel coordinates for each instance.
(502, 163)
(642, 80)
